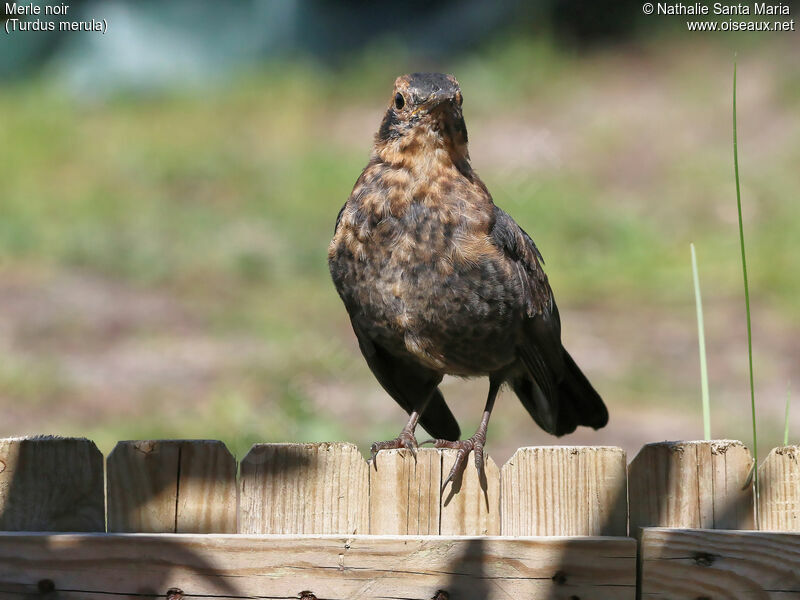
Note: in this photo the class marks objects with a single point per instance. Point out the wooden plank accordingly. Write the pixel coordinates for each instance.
(206, 488)
(355, 567)
(470, 507)
(689, 564)
(691, 485)
(564, 490)
(779, 494)
(51, 484)
(169, 486)
(405, 492)
(304, 488)
(142, 486)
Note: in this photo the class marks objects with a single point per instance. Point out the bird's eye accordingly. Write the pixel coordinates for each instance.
(399, 101)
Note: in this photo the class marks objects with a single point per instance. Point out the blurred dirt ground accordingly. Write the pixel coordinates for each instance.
(167, 278)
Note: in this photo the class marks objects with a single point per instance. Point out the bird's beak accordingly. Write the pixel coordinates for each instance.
(438, 99)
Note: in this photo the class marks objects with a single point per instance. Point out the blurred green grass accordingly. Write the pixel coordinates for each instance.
(223, 201)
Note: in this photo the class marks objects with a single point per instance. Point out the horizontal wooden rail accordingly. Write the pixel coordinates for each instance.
(674, 564)
(703, 563)
(330, 567)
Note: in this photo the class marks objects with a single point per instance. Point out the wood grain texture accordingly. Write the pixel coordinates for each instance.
(779, 495)
(355, 567)
(690, 564)
(171, 486)
(468, 506)
(51, 484)
(318, 488)
(564, 490)
(405, 492)
(699, 484)
(207, 501)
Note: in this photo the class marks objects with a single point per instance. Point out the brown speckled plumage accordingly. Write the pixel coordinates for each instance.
(438, 280)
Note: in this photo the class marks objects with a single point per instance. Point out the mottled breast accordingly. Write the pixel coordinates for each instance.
(416, 266)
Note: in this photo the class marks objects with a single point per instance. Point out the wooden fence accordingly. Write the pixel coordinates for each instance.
(180, 519)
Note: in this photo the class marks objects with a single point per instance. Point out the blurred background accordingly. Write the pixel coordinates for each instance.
(168, 191)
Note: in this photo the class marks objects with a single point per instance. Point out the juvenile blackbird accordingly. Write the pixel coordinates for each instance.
(438, 280)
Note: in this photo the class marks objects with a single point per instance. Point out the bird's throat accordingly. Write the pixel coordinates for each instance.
(425, 153)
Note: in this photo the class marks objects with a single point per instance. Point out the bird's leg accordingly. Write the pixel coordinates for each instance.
(475, 443)
(406, 439)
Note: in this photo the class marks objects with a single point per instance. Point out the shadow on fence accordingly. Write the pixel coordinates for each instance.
(468, 580)
(59, 487)
(565, 575)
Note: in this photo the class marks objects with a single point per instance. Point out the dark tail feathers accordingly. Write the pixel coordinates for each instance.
(437, 419)
(579, 403)
(575, 401)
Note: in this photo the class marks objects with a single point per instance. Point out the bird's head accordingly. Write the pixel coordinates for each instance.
(424, 115)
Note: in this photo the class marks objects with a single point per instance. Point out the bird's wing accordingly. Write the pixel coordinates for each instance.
(339, 218)
(539, 348)
(409, 384)
(527, 261)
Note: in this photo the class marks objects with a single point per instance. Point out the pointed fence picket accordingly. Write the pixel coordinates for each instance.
(700, 484)
(303, 488)
(779, 496)
(171, 486)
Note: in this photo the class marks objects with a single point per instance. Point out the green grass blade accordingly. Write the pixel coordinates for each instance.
(746, 297)
(786, 415)
(701, 339)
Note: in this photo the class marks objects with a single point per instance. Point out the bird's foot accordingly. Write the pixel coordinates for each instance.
(405, 440)
(474, 444)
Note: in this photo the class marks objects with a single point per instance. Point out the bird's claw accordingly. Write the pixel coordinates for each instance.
(464, 447)
(405, 440)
